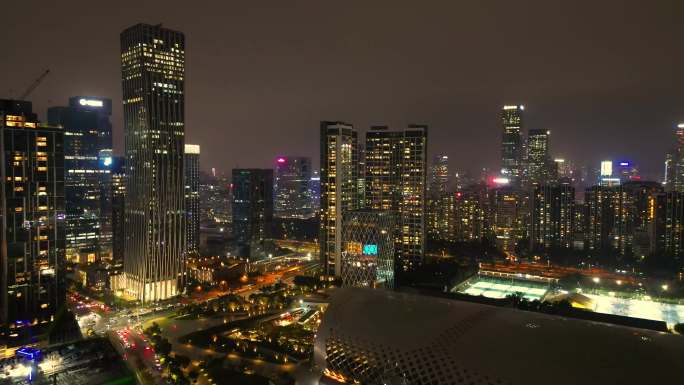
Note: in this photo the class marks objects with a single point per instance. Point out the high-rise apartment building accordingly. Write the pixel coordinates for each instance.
(439, 201)
(192, 198)
(293, 187)
(607, 220)
(472, 219)
(253, 211)
(87, 152)
(552, 216)
(512, 143)
(396, 180)
(338, 189)
(32, 286)
(539, 162)
(153, 78)
(667, 229)
(507, 217)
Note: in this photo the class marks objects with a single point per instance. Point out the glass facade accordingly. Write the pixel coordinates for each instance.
(511, 143)
(87, 157)
(253, 211)
(292, 187)
(153, 79)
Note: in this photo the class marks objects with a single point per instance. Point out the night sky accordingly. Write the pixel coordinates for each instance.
(606, 77)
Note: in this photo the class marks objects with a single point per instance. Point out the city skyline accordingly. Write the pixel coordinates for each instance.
(598, 100)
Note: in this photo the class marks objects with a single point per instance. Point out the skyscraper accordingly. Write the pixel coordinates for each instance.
(253, 211)
(192, 198)
(338, 189)
(552, 216)
(507, 217)
(32, 230)
(511, 143)
(153, 77)
(538, 159)
(675, 162)
(396, 180)
(118, 208)
(440, 208)
(292, 186)
(87, 147)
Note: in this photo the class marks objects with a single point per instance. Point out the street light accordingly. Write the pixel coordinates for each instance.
(596, 279)
(664, 287)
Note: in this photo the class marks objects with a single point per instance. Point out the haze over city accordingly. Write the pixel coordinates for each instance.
(604, 77)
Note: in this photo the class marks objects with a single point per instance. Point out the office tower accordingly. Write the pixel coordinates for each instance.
(338, 189)
(552, 216)
(607, 220)
(507, 221)
(87, 136)
(315, 191)
(368, 249)
(667, 229)
(292, 187)
(192, 198)
(153, 73)
(253, 211)
(33, 246)
(396, 180)
(118, 194)
(512, 144)
(471, 213)
(538, 160)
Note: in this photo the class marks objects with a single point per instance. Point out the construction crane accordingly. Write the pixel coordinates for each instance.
(33, 86)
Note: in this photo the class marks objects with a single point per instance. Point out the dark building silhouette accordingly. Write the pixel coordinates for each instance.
(32, 206)
(253, 211)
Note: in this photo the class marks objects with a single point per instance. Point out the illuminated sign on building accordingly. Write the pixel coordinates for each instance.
(90, 102)
(370, 249)
(354, 247)
(281, 160)
(607, 168)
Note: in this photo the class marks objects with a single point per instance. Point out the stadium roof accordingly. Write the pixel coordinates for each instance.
(469, 343)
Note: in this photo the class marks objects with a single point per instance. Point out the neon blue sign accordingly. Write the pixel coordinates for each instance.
(370, 249)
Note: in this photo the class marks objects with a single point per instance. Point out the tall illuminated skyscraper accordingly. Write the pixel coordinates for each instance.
(87, 156)
(396, 180)
(538, 160)
(192, 198)
(32, 286)
(153, 77)
(512, 143)
(338, 189)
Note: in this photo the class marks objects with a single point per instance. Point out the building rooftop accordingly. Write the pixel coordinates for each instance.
(435, 340)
